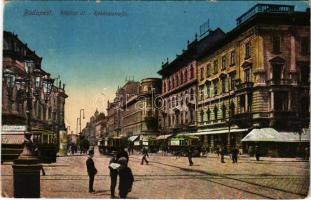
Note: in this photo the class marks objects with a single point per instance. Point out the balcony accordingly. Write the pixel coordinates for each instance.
(267, 8)
(279, 82)
(244, 86)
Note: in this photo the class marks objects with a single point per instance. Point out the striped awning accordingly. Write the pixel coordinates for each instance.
(133, 138)
(164, 137)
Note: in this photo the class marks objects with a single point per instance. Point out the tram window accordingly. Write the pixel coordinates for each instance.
(45, 139)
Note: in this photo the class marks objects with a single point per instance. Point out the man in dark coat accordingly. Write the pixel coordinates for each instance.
(234, 154)
(113, 174)
(145, 154)
(126, 178)
(91, 170)
(222, 154)
(122, 153)
(190, 157)
(257, 153)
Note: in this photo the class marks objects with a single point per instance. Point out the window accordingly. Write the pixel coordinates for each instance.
(177, 79)
(215, 113)
(5, 44)
(202, 116)
(276, 72)
(202, 92)
(281, 101)
(164, 88)
(232, 58)
(173, 82)
(304, 45)
(191, 94)
(215, 88)
(304, 73)
(232, 76)
(223, 63)
(208, 70)
(215, 66)
(186, 75)
(247, 73)
(242, 103)
(208, 113)
(208, 89)
(182, 78)
(191, 72)
(231, 108)
(202, 73)
(247, 50)
(223, 85)
(224, 111)
(276, 43)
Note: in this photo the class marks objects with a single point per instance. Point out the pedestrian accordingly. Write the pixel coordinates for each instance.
(126, 178)
(145, 154)
(113, 168)
(257, 153)
(190, 157)
(234, 154)
(218, 150)
(122, 153)
(222, 154)
(91, 170)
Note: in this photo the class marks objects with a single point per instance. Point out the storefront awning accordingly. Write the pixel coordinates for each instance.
(217, 131)
(272, 135)
(147, 137)
(133, 138)
(164, 137)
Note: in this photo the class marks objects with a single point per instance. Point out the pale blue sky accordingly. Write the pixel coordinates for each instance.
(92, 53)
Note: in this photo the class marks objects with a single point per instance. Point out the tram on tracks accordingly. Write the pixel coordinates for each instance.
(45, 140)
(110, 144)
(180, 145)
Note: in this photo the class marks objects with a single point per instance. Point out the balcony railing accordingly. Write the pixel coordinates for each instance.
(270, 8)
(244, 85)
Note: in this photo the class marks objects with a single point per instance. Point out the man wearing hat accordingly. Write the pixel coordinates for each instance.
(113, 168)
(126, 178)
(91, 170)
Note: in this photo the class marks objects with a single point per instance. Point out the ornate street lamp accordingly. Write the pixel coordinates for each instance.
(9, 79)
(47, 87)
(26, 169)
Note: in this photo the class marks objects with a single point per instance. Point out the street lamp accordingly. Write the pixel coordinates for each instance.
(26, 169)
(81, 118)
(9, 79)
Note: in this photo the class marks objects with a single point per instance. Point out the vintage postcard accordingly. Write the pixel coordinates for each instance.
(155, 99)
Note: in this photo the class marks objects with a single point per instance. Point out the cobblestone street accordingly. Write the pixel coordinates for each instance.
(168, 177)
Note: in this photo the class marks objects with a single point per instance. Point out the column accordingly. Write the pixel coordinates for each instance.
(272, 101)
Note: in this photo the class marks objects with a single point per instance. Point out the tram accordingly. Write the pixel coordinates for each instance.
(45, 140)
(180, 144)
(109, 144)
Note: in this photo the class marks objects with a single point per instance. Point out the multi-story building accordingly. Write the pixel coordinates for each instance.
(140, 111)
(179, 86)
(114, 109)
(47, 108)
(257, 76)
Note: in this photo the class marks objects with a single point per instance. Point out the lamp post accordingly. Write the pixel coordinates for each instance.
(81, 118)
(26, 169)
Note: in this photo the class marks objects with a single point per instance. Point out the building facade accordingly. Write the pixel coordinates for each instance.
(47, 108)
(257, 76)
(140, 111)
(179, 86)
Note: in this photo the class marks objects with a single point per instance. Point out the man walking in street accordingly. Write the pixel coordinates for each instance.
(145, 154)
(113, 167)
(91, 170)
(222, 154)
(257, 153)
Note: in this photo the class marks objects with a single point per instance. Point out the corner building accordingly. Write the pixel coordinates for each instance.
(256, 77)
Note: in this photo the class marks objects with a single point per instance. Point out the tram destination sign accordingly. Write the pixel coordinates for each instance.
(13, 128)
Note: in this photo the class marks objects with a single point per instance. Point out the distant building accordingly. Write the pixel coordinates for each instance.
(140, 111)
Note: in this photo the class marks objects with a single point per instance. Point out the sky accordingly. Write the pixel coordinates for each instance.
(93, 54)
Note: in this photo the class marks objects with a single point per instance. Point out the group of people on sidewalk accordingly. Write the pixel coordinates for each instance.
(118, 166)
